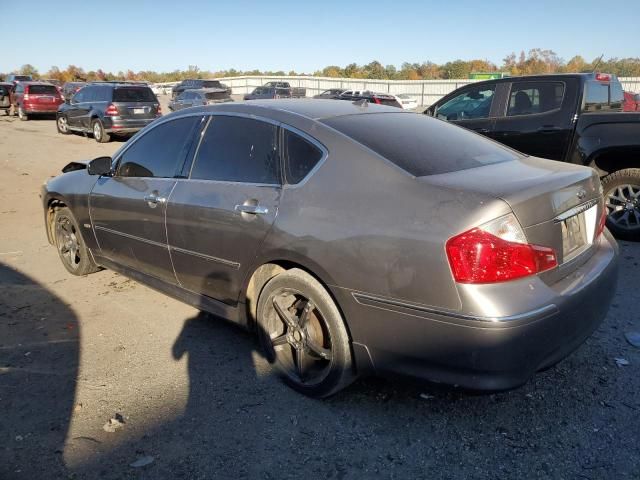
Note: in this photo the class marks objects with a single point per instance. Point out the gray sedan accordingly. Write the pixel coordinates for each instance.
(203, 96)
(353, 238)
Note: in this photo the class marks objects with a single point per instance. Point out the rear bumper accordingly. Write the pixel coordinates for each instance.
(122, 125)
(35, 108)
(482, 353)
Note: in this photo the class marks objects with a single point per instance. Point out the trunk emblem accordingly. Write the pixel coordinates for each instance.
(581, 194)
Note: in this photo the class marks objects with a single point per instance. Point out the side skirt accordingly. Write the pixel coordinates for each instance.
(227, 312)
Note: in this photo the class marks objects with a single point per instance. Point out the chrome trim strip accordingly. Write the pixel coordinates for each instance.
(576, 210)
(366, 299)
(229, 263)
(132, 237)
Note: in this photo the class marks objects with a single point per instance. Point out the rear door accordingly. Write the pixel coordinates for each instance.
(218, 218)
(472, 108)
(135, 102)
(537, 118)
(128, 208)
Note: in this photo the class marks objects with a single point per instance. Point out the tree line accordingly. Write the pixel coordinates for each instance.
(536, 61)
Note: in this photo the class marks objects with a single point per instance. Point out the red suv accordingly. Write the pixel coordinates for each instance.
(631, 102)
(30, 98)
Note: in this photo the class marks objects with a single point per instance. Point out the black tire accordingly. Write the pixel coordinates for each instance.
(73, 252)
(311, 349)
(22, 115)
(64, 128)
(622, 197)
(98, 132)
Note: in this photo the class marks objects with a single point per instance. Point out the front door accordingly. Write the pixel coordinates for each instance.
(218, 218)
(128, 208)
(471, 108)
(537, 119)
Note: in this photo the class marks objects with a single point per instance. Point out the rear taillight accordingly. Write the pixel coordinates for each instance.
(26, 96)
(496, 252)
(602, 223)
(111, 111)
(159, 111)
(376, 100)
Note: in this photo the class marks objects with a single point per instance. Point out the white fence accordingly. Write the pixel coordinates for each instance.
(425, 92)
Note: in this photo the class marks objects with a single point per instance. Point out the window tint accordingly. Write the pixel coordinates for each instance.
(474, 103)
(43, 90)
(301, 156)
(419, 144)
(160, 151)
(596, 95)
(236, 149)
(133, 94)
(535, 97)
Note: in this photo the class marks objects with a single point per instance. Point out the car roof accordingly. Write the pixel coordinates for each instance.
(544, 76)
(313, 109)
(35, 82)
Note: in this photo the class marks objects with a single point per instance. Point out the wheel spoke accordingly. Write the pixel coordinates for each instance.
(285, 316)
(304, 316)
(625, 217)
(318, 351)
(279, 340)
(300, 367)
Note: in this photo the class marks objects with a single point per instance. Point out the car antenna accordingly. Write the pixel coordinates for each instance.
(361, 103)
(598, 60)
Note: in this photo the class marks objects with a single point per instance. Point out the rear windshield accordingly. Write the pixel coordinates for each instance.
(216, 95)
(42, 90)
(133, 94)
(211, 84)
(419, 144)
(603, 95)
(22, 78)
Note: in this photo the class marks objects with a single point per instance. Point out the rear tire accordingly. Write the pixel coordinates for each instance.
(98, 132)
(622, 198)
(73, 252)
(22, 114)
(303, 335)
(62, 124)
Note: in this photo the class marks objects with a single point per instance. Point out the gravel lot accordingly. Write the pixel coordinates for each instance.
(198, 400)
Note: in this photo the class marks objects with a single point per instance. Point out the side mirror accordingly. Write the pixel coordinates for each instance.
(99, 166)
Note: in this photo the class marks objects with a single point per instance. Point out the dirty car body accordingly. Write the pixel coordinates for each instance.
(385, 211)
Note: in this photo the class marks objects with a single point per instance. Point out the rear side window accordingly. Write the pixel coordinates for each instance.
(160, 151)
(419, 144)
(42, 90)
(236, 149)
(527, 98)
(603, 95)
(4, 90)
(133, 94)
(301, 156)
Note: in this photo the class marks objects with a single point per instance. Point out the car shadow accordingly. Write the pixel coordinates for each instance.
(39, 354)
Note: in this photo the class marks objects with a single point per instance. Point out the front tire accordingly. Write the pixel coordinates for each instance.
(62, 124)
(73, 252)
(303, 334)
(98, 132)
(22, 115)
(622, 198)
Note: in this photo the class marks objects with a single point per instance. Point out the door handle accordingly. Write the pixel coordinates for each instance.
(153, 200)
(252, 209)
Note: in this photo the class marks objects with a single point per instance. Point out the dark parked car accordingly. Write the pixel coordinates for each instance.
(265, 93)
(205, 96)
(197, 84)
(468, 263)
(108, 108)
(631, 102)
(5, 96)
(330, 94)
(70, 88)
(294, 92)
(370, 97)
(15, 78)
(574, 118)
(35, 98)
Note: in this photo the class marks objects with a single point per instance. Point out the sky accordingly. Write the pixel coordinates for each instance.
(304, 36)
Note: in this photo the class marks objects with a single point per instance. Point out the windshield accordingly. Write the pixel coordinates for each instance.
(133, 94)
(419, 144)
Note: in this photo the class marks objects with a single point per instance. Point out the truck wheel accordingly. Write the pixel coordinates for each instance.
(622, 198)
(303, 334)
(22, 115)
(98, 132)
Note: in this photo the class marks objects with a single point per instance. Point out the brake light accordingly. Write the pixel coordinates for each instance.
(159, 111)
(603, 77)
(376, 100)
(111, 111)
(602, 223)
(496, 252)
(26, 96)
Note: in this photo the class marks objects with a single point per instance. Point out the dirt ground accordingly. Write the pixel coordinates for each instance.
(194, 398)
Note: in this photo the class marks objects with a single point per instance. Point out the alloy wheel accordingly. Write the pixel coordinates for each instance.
(300, 338)
(97, 131)
(62, 124)
(67, 242)
(623, 206)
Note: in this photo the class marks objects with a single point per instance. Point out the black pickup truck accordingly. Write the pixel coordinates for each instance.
(573, 118)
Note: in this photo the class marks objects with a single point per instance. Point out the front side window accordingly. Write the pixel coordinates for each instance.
(237, 149)
(160, 151)
(471, 104)
(527, 98)
(301, 156)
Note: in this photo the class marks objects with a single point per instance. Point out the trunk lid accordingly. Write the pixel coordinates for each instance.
(557, 204)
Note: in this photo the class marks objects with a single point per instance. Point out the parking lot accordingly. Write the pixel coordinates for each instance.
(98, 373)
